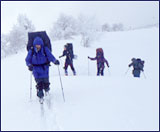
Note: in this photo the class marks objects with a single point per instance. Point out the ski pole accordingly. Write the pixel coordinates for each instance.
(61, 84)
(144, 75)
(31, 86)
(60, 60)
(88, 67)
(127, 71)
(109, 72)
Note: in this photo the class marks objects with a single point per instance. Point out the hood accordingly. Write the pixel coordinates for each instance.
(38, 41)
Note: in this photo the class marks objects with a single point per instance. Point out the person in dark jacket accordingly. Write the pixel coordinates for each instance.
(138, 65)
(100, 62)
(37, 61)
(68, 61)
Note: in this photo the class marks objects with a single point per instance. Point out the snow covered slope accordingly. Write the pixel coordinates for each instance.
(112, 102)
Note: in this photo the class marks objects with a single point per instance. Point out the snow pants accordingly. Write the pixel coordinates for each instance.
(136, 73)
(100, 69)
(42, 84)
(66, 67)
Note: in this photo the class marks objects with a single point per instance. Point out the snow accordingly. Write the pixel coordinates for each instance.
(113, 102)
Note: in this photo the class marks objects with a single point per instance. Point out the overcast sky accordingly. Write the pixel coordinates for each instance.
(44, 13)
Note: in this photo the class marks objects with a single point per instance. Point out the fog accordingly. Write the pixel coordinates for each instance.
(44, 13)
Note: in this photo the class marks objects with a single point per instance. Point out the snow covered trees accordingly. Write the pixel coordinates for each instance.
(4, 45)
(115, 27)
(87, 28)
(16, 39)
(106, 27)
(64, 27)
(67, 26)
(18, 35)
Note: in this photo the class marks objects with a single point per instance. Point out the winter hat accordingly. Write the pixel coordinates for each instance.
(38, 41)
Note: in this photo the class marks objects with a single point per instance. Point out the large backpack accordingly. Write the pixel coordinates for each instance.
(69, 47)
(43, 35)
(138, 64)
(99, 52)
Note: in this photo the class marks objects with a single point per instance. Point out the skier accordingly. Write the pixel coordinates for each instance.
(38, 61)
(100, 61)
(68, 52)
(138, 65)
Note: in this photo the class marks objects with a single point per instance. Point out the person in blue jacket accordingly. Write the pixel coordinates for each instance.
(38, 60)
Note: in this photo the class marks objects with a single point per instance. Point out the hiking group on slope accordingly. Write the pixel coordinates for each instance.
(39, 57)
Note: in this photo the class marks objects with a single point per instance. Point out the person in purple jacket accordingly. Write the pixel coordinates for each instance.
(100, 61)
(38, 60)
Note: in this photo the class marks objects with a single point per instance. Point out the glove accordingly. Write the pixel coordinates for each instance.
(88, 57)
(30, 67)
(56, 62)
(60, 56)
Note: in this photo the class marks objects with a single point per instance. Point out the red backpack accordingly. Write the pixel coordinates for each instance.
(99, 52)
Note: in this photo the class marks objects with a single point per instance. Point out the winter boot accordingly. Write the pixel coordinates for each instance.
(46, 88)
(39, 87)
(66, 73)
(40, 93)
(74, 73)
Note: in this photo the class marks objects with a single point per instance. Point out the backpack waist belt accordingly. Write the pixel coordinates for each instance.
(137, 69)
(47, 63)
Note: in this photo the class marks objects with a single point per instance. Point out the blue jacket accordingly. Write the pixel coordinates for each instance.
(39, 59)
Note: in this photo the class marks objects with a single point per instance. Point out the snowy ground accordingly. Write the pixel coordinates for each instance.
(112, 102)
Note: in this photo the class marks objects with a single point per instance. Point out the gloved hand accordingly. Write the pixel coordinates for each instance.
(88, 57)
(56, 62)
(30, 67)
(60, 56)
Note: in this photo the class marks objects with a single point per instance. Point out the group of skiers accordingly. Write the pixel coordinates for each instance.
(39, 57)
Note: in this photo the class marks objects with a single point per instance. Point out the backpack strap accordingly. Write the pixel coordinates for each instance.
(46, 55)
(47, 63)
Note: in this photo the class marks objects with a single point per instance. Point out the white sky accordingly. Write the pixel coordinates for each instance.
(44, 13)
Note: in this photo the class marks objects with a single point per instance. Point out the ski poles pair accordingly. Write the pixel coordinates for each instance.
(128, 70)
(60, 82)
